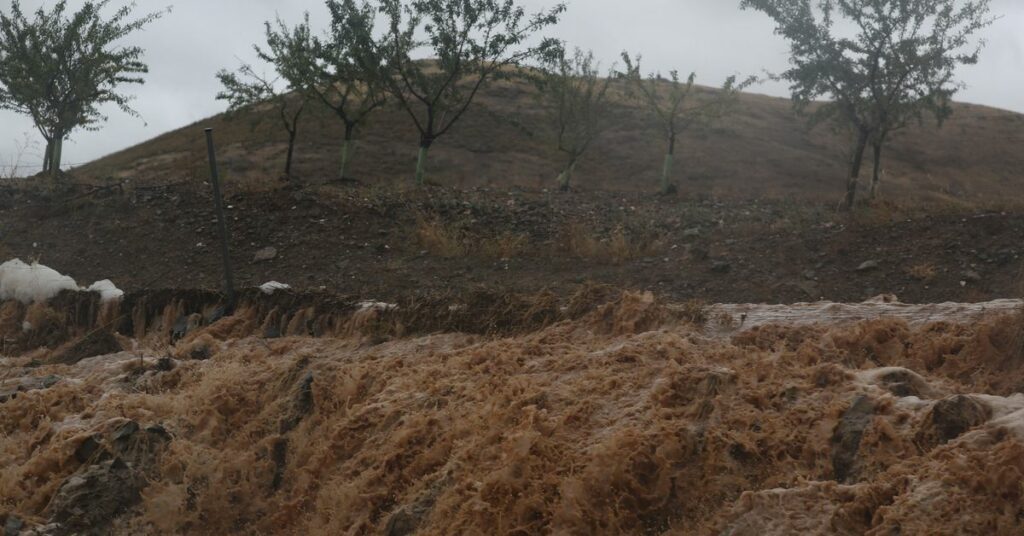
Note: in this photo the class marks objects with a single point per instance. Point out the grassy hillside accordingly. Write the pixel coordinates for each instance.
(763, 150)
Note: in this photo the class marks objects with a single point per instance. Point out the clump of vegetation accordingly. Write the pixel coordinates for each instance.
(444, 239)
(507, 245)
(924, 272)
(440, 238)
(619, 245)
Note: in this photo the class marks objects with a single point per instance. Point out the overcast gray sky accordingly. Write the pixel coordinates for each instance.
(712, 37)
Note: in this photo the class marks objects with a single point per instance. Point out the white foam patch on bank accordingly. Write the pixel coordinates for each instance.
(270, 287)
(29, 283)
(108, 292)
(32, 283)
(371, 305)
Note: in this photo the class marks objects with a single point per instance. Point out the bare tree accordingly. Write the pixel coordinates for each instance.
(675, 105)
(290, 52)
(576, 97)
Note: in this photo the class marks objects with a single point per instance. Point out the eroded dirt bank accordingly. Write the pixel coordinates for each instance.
(389, 244)
(626, 420)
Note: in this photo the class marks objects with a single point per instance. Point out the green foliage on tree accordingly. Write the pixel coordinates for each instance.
(897, 66)
(60, 68)
(470, 42)
(675, 105)
(290, 51)
(342, 83)
(576, 97)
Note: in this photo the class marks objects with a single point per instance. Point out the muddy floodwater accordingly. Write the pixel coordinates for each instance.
(876, 418)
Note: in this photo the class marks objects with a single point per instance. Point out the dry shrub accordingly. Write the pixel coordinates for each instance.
(924, 272)
(505, 246)
(445, 239)
(581, 242)
(694, 311)
(620, 245)
(440, 238)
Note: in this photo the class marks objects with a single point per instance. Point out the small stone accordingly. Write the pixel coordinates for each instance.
(265, 254)
(867, 266)
(692, 232)
(721, 267)
(951, 417)
(13, 526)
(972, 276)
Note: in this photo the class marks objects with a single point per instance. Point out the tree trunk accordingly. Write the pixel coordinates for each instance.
(565, 178)
(877, 175)
(666, 170)
(291, 151)
(346, 149)
(48, 156)
(855, 163)
(421, 161)
(58, 147)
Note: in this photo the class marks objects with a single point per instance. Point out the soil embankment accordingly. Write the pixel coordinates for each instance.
(386, 244)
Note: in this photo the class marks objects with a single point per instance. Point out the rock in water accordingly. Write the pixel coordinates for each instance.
(949, 418)
(847, 435)
(91, 498)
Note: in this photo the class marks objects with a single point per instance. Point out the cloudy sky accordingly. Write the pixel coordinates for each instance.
(712, 37)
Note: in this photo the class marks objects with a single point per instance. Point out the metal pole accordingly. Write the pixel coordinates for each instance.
(229, 285)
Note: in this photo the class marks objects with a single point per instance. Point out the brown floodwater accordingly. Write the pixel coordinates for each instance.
(876, 418)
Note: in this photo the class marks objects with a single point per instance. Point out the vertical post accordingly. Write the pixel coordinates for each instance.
(229, 285)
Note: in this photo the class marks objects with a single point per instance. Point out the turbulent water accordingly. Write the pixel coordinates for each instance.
(815, 419)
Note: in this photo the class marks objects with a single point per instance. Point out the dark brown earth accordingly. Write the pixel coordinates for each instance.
(385, 243)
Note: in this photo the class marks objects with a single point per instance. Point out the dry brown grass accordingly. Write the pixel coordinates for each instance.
(924, 272)
(444, 239)
(695, 311)
(440, 238)
(505, 246)
(618, 246)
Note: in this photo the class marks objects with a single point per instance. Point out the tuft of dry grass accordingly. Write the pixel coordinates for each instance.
(440, 238)
(445, 239)
(924, 272)
(505, 246)
(620, 245)
(695, 311)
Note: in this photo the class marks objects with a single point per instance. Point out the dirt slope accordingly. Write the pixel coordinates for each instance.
(387, 244)
(761, 151)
